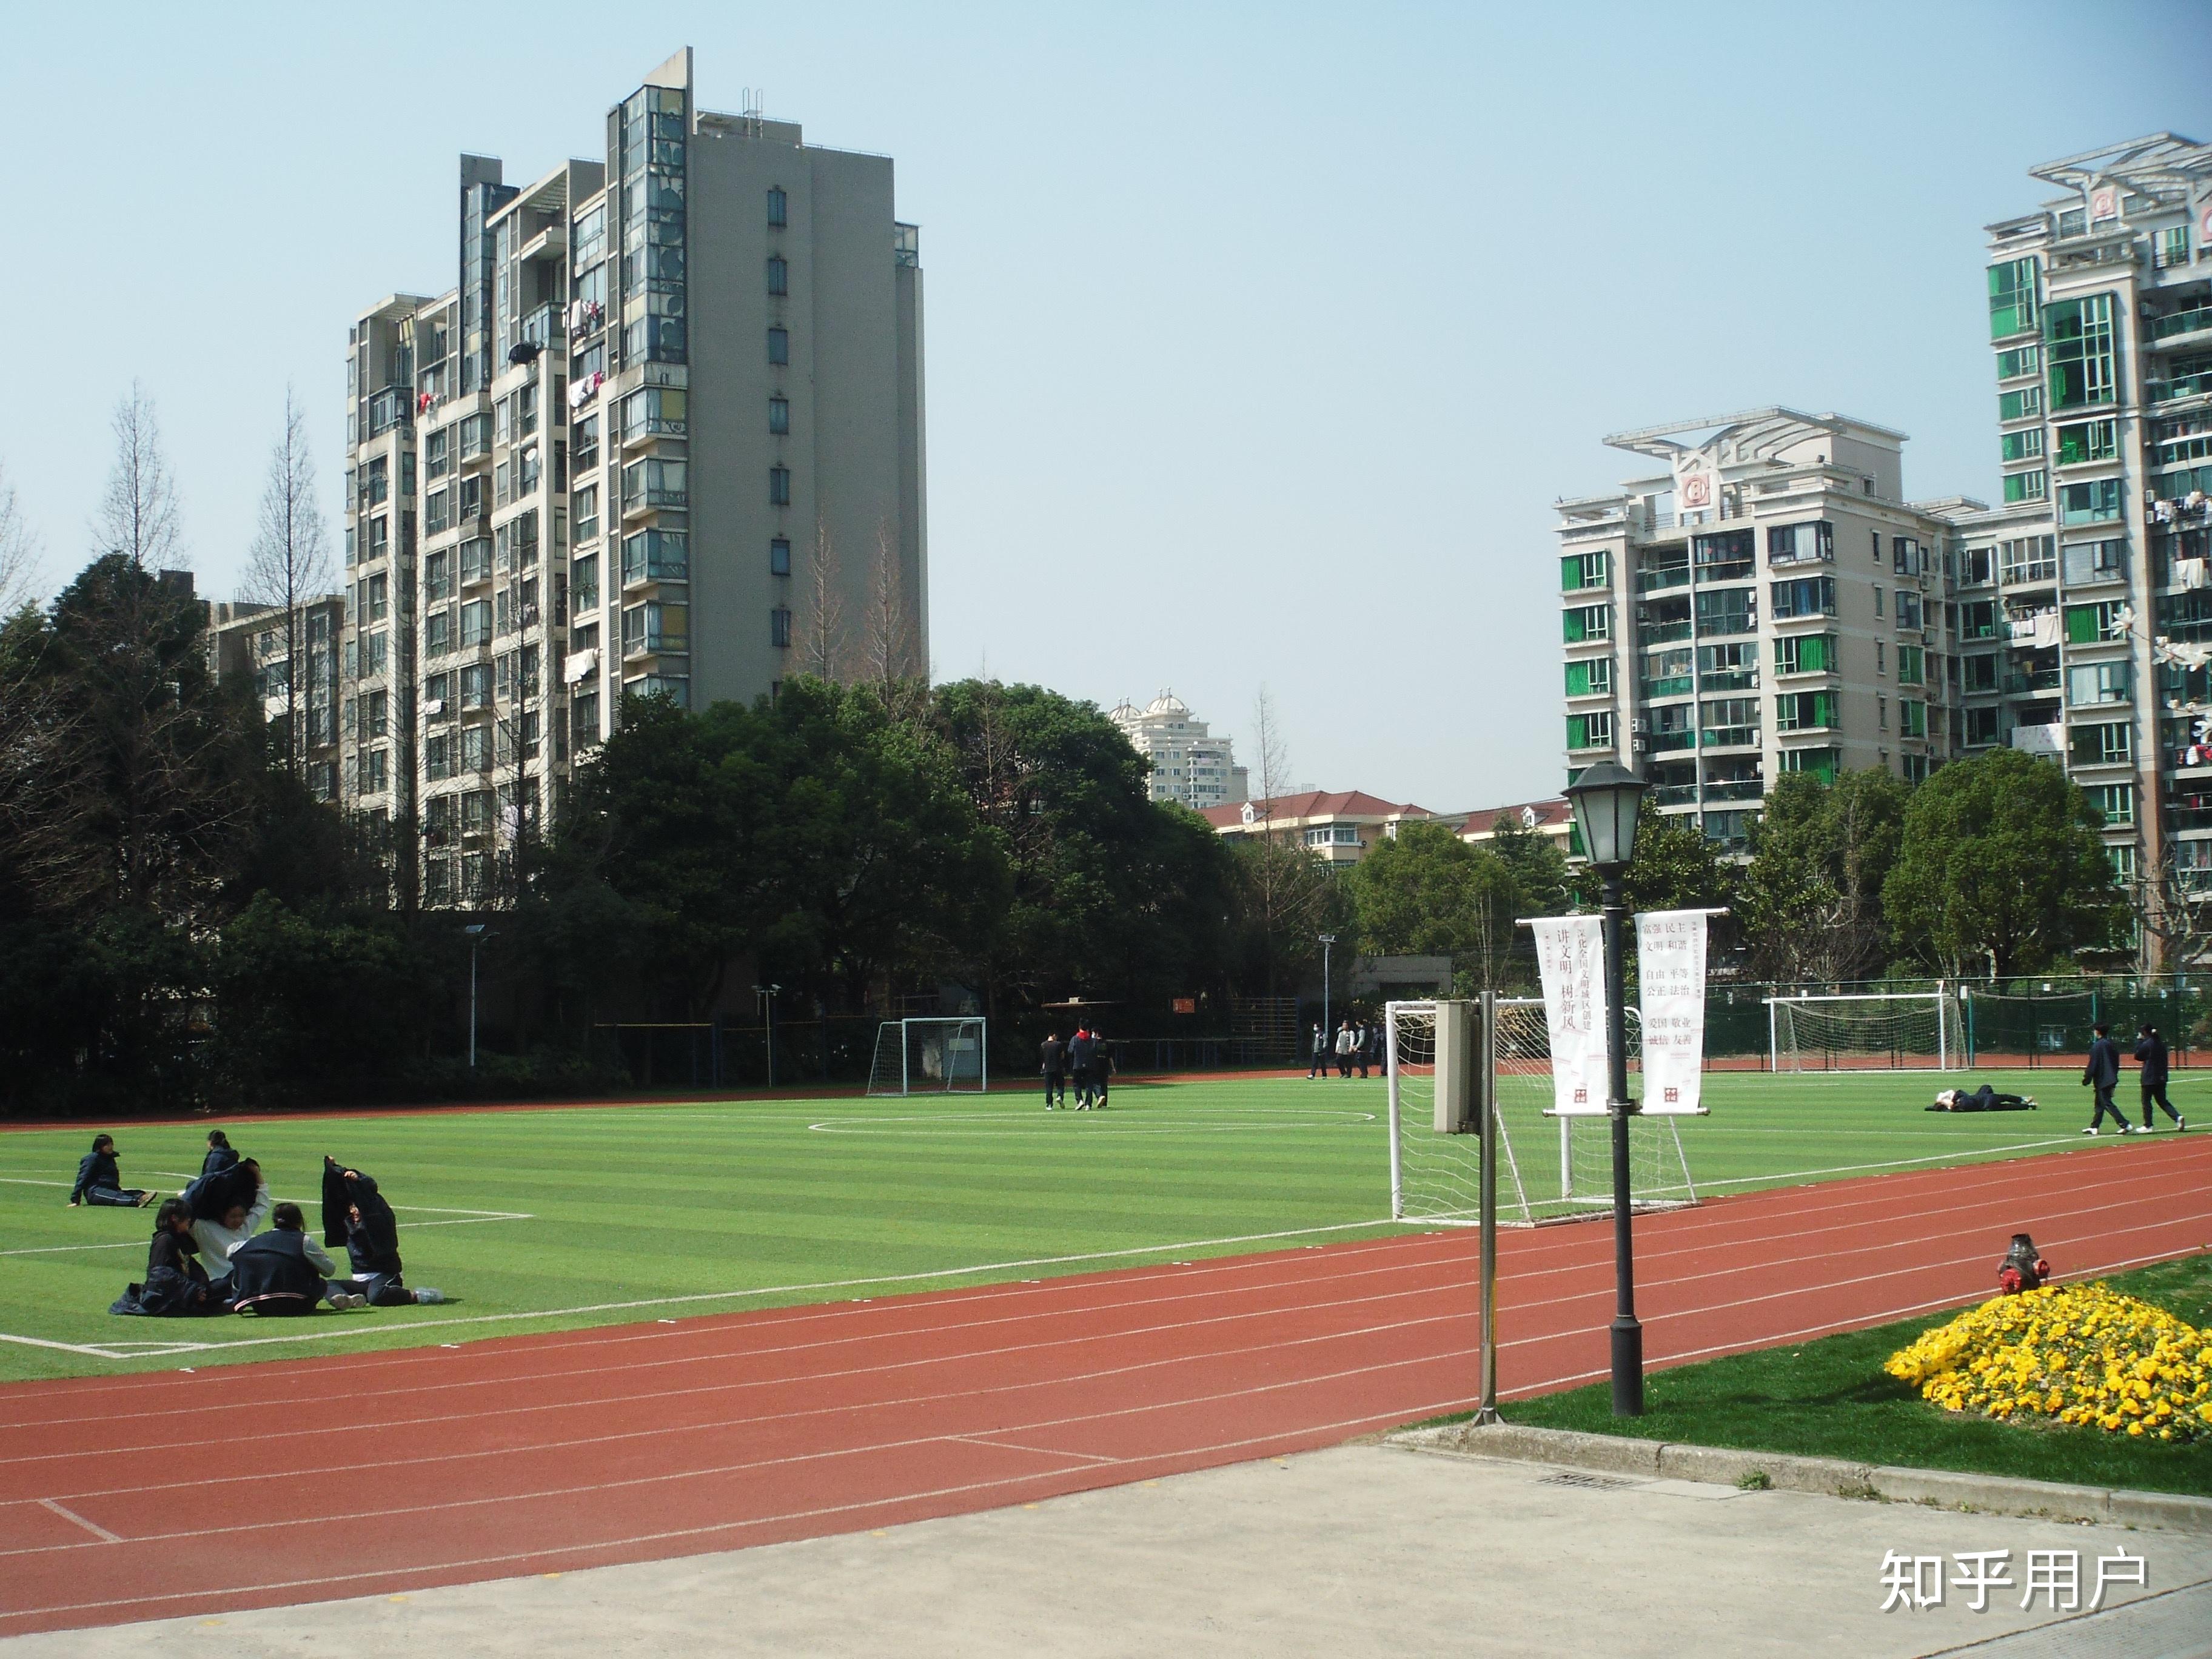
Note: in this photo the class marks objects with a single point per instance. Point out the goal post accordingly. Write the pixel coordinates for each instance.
(1867, 1031)
(931, 1056)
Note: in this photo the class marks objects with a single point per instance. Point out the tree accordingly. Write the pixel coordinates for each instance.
(891, 655)
(822, 646)
(289, 564)
(1425, 892)
(138, 518)
(1283, 903)
(19, 552)
(2172, 904)
(1538, 863)
(1675, 866)
(2000, 865)
(1810, 900)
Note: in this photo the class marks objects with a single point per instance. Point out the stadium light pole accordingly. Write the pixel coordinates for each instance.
(476, 933)
(1327, 940)
(1605, 799)
(765, 995)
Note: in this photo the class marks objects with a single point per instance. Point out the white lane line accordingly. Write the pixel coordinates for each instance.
(93, 1528)
(61, 1347)
(1039, 1451)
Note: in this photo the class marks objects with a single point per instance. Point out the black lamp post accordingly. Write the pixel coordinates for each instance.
(1605, 799)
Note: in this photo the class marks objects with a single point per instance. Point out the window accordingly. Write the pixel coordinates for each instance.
(378, 605)
(1981, 673)
(2090, 624)
(1589, 621)
(586, 509)
(438, 511)
(1915, 768)
(675, 688)
(779, 346)
(778, 628)
(1912, 717)
(2089, 503)
(656, 556)
(2026, 486)
(1332, 835)
(778, 417)
(2168, 248)
(2088, 441)
(1911, 663)
(775, 206)
(584, 444)
(1593, 731)
(2117, 801)
(1794, 543)
(1728, 610)
(438, 452)
(438, 755)
(1729, 667)
(1981, 726)
(1728, 721)
(475, 623)
(655, 481)
(778, 558)
(2012, 298)
(1821, 762)
(656, 627)
(1877, 602)
(1590, 677)
(2027, 560)
(2021, 360)
(438, 632)
(2025, 405)
(778, 276)
(1805, 653)
(2095, 561)
(374, 774)
(2090, 684)
(1578, 571)
(655, 411)
(585, 584)
(1806, 596)
(1908, 607)
(779, 486)
(2025, 444)
(2109, 745)
(1907, 558)
(1803, 711)
(1881, 713)
(2078, 334)
(1880, 657)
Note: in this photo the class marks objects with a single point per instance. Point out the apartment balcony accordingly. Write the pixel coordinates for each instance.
(394, 406)
(2187, 386)
(2186, 814)
(646, 502)
(1660, 578)
(1669, 743)
(1736, 789)
(638, 646)
(2039, 739)
(2179, 328)
(1674, 795)
(2021, 685)
(1650, 633)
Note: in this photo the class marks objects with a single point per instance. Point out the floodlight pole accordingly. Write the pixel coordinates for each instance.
(764, 996)
(1327, 940)
(476, 933)
(1628, 1334)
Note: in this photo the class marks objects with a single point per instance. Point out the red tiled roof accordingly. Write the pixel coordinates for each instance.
(1550, 815)
(1315, 804)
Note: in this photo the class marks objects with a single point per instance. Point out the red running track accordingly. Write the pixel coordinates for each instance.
(253, 1486)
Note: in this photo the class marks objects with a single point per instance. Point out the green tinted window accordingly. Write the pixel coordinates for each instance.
(2012, 298)
(2079, 333)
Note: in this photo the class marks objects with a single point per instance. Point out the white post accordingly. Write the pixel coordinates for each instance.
(1943, 1047)
(906, 1084)
(983, 1056)
(1773, 1046)
(1485, 1409)
(1390, 1071)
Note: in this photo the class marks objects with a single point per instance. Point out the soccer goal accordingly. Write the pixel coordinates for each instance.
(930, 1057)
(1548, 1168)
(1891, 1030)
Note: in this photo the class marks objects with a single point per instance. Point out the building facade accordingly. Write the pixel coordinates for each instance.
(2091, 613)
(1336, 827)
(253, 642)
(1188, 765)
(1769, 603)
(663, 436)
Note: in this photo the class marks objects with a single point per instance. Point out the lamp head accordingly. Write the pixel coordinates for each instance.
(1606, 797)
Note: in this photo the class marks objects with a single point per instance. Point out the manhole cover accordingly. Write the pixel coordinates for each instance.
(1592, 1482)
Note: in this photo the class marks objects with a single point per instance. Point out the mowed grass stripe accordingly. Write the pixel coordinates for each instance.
(693, 1198)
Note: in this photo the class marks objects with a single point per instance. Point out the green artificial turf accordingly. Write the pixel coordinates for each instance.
(1830, 1398)
(534, 1220)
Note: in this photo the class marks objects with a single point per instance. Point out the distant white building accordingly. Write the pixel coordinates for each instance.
(1187, 765)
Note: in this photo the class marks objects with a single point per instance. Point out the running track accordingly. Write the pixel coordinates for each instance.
(253, 1486)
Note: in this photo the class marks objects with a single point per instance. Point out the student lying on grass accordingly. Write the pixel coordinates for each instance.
(356, 1215)
(1984, 1099)
(283, 1271)
(176, 1285)
(227, 1209)
(100, 1179)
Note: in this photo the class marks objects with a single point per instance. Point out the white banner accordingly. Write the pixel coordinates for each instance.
(1670, 966)
(1570, 954)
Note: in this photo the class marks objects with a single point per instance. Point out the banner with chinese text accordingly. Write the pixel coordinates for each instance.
(1571, 956)
(1670, 965)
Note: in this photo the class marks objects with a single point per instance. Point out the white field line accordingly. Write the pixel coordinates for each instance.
(466, 1218)
(933, 1274)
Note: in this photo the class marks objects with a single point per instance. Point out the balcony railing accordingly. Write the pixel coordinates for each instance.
(1735, 789)
(1662, 633)
(1663, 743)
(1657, 578)
(2187, 386)
(2196, 320)
(394, 406)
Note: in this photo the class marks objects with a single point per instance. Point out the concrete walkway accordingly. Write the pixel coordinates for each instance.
(1358, 1550)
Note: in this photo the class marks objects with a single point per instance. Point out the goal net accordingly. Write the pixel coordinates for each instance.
(1898, 1031)
(930, 1057)
(1549, 1169)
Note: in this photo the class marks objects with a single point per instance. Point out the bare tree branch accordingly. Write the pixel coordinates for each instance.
(138, 516)
(289, 564)
(19, 551)
(822, 654)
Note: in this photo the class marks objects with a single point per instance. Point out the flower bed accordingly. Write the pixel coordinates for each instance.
(2083, 1354)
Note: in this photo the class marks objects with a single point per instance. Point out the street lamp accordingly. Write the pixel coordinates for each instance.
(764, 998)
(1605, 799)
(476, 933)
(1327, 940)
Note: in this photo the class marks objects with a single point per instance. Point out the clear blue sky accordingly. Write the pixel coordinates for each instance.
(1260, 339)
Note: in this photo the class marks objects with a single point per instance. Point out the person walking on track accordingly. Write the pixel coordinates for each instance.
(1053, 1055)
(2102, 1075)
(2151, 1055)
(1320, 1054)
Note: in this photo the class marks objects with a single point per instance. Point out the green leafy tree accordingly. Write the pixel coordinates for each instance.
(1809, 903)
(1425, 892)
(2000, 866)
(1538, 865)
(1675, 866)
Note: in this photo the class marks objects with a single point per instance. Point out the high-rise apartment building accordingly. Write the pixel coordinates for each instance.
(1188, 765)
(1769, 603)
(293, 668)
(663, 436)
(2085, 590)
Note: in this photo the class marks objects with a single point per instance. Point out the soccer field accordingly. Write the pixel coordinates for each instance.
(560, 1218)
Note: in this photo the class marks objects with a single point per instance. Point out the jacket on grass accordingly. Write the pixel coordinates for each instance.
(278, 1272)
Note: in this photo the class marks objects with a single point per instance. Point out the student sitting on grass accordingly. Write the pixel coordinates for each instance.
(227, 1209)
(176, 1285)
(355, 1214)
(283, 1271)
(100, 1179)
(219, 1155)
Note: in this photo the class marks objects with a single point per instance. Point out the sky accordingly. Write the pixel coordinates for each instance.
(1260, 339)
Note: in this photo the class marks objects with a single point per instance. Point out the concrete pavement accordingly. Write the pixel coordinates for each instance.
(1358, 1550)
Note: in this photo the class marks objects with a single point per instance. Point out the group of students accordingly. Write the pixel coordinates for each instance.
(1085, 1058)
(211, 1255)
(1359, 1044)
(2102, 1075)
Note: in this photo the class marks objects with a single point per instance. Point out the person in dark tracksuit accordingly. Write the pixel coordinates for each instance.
(100, 1179)
(283, 1271)
(2102, 1073)
(220, 1156)
(358, 1216)
(1102, 1071)
(2151, 1055)
(176, 1285)
(1082, 1054)
(1054, 1056)
(1320, 1066)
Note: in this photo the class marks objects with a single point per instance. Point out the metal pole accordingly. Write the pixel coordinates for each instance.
(1628, 1334)
(771, 1039)
(1485, 1409)
(472, 1004)
(1328, 1035)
